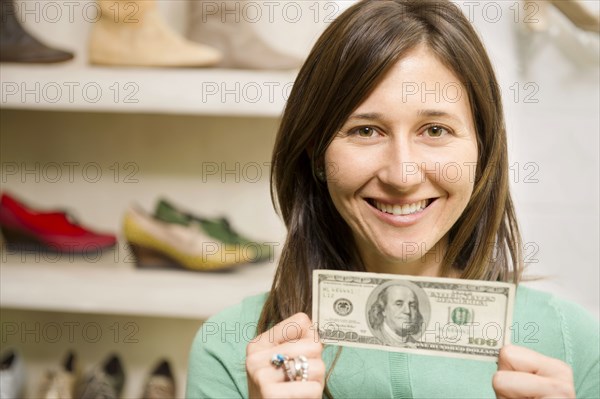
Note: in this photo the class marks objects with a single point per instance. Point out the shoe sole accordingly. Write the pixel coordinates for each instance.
(18, 240)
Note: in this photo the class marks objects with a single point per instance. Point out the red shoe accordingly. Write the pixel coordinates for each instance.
(47, 230)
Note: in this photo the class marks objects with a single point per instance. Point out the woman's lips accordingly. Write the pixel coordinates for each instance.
(401, 215)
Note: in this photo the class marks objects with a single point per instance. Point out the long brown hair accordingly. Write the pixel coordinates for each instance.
(345, 65)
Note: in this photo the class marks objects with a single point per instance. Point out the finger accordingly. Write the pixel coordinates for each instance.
(295, 389)
(269, 375)
(304, 347)
(262, 359)
(516, 384)
(290, 329)
(518, 358)
(312, 333)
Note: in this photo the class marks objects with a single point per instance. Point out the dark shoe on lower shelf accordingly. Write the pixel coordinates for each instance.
(160, 383)
(103, 382)
(60, 384)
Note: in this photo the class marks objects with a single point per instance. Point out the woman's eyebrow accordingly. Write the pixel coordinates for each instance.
(421, 112)
(436, 113)
(368, 116)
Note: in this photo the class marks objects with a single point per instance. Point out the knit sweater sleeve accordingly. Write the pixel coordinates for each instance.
(581, 337)
(218, 353)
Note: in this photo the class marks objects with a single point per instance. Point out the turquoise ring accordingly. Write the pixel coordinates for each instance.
(278, 360)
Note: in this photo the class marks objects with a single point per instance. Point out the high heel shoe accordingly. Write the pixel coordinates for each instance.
(155, 243)
(56, 231)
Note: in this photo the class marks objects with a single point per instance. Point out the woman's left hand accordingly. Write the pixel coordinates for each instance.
(524, 373)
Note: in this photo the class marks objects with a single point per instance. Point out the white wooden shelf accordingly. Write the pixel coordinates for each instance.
(199, 91)
(73, 284)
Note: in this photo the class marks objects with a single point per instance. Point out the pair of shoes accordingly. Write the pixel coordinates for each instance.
(105, 381)
(225, 26)
(60, 384)
(132, 33)
(218, 228)
(156, 243)
(17, 45)
(160, 383)
(56, 231)
(12, 375)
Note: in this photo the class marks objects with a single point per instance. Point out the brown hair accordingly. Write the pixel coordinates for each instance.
(345, 65)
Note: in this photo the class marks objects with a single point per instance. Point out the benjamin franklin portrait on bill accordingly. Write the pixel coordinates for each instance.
(397, 313)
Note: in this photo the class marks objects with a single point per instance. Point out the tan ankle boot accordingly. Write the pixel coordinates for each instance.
(132, 33)
(223, 25)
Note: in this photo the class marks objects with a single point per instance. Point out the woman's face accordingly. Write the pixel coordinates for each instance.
(401, 170)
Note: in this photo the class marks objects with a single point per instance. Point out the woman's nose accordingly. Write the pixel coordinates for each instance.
(401, 167)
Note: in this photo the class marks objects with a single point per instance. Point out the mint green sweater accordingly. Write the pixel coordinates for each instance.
(542, 322)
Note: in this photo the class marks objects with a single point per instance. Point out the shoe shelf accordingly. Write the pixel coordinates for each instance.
(193, 91)
(70, 283)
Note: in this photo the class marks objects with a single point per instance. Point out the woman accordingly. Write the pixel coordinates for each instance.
(393, 139)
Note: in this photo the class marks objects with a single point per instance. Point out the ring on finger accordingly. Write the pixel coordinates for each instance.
(301, 366)
(278, 360)
(288, 369)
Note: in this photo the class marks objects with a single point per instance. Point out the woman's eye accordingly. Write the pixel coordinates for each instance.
(436, 131)
(365, 131)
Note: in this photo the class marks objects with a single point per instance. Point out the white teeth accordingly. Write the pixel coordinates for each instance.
(398, 210)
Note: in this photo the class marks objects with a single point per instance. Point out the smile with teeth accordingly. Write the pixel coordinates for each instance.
(401, 210)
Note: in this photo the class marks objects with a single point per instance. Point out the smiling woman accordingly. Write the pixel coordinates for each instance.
(391, 157)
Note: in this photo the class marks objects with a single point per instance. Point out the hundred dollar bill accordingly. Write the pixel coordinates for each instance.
(424, 315)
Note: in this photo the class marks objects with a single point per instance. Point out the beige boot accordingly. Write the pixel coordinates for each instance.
(132, 33)
(578, 14)
(235, 35)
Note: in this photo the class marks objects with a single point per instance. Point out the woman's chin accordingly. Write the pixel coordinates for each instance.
(396, 262)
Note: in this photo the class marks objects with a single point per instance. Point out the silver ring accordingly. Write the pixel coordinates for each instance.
(288, 369)
(301, 366)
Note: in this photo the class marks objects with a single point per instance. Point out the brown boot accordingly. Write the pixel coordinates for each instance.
(132, 33)
(17, 45)
(224, 26)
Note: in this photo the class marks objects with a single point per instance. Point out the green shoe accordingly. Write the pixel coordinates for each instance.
(217, 228)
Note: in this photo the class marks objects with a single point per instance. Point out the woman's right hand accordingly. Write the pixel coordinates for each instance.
(292, 337)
